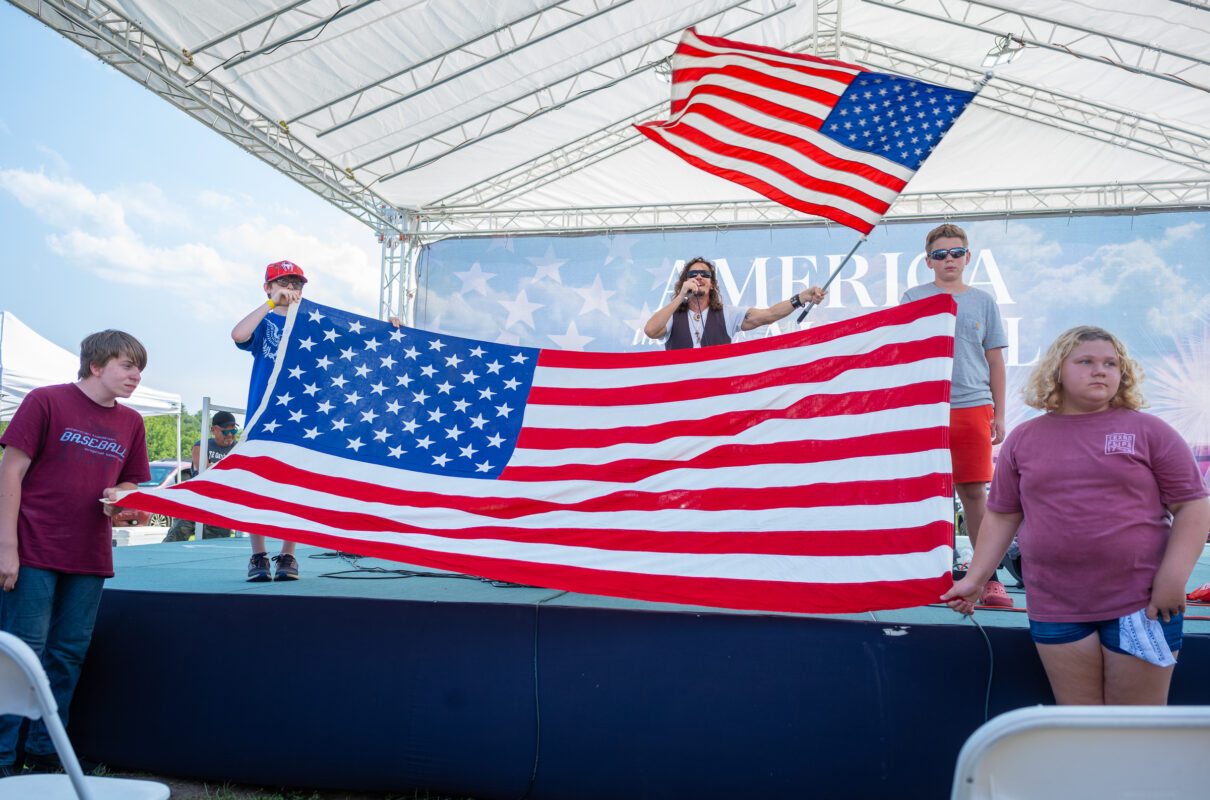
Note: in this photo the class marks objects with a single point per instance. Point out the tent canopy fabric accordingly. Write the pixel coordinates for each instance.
(27, 361)
(460, 107)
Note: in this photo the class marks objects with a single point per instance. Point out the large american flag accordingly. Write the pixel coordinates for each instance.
(806, 472)
(820, 136)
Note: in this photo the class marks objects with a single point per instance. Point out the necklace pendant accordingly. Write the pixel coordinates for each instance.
(697, 315)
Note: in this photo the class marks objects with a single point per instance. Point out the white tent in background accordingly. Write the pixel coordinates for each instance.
(27, 361)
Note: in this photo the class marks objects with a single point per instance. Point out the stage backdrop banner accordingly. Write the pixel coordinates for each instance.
(1142, 277)
(806, 473)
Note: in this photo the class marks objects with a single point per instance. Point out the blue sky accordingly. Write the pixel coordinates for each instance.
(119, 211)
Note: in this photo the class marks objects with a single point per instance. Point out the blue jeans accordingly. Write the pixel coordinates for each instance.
(54, 613)
(1109, 630)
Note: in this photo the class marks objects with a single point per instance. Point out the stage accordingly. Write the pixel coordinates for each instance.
(460, 687)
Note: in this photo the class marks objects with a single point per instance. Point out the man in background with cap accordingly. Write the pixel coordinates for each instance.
(223, 433)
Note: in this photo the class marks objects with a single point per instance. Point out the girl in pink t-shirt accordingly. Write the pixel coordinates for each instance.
(1110, 511)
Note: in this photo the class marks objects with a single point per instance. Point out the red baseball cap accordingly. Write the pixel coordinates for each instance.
(280, 269)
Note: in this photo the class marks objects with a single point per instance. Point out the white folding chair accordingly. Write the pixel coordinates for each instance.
(1106, 752)
(25, 690)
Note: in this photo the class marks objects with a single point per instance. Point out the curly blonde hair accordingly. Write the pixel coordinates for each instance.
(1044, 390)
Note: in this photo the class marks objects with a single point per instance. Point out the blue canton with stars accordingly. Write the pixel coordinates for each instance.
(898, 118)
(360, 389)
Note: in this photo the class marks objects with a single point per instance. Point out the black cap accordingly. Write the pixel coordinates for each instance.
(223, 419)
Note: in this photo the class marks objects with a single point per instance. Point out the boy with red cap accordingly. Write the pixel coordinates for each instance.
(260, 333)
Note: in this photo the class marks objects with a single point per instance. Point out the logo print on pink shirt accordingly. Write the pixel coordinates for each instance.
(1119, 443)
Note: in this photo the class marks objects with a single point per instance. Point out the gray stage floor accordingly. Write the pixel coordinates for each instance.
(220, 566)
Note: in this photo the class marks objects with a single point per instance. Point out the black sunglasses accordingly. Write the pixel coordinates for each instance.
(956, 252)
(699, 273)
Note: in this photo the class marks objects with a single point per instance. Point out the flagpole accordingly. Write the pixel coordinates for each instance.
(832, 277)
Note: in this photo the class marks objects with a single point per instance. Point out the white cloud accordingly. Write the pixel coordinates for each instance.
(127, 236)
(1179, 232)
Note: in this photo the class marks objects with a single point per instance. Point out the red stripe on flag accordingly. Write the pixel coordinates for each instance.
(803, 143)
(740, 455)
(823, 369)
(864, 225)
(832, 332)
(731, 423)
(903, 490)
(758, 81)
(789, 543)
(749, 49)
(821, 598)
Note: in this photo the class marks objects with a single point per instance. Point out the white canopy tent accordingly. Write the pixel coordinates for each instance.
(27, 361)
(464, 118)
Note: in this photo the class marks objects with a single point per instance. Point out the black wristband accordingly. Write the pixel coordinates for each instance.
(795, 301)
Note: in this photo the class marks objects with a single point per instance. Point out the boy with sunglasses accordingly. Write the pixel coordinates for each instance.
(977, 385)
(260, 333)
(696, 317)
(223, 433)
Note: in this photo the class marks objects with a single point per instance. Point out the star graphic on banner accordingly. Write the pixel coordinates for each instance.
(638, 322)
(475, 279)
(520, 310)
(572, 340)
(619, 247)
(660, 275)
(548, 266)
(434, 325)
(508, 338)
(596, 297)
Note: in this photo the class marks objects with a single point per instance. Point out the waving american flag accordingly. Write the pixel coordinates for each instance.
(817, 135)
(803, 472)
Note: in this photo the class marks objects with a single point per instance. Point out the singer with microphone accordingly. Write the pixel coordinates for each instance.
(697, 317)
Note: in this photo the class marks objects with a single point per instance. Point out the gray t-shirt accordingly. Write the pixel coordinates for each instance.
(977, 330)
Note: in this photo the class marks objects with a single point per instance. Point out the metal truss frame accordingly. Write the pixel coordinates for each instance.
(557, 94)
(1116, 198)
(1064, 112)
(108, 34)
(617, 136)
(1131, 55)
(465, 58)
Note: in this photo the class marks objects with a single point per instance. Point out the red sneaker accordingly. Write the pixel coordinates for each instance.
(1200, 594)
(994, 594)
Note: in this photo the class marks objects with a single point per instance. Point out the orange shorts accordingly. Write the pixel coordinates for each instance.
(971, 432)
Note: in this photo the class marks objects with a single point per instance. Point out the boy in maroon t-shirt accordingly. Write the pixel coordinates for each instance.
(67, 447)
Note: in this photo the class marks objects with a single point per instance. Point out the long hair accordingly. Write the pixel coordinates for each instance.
(1044, 390)
(716, 301)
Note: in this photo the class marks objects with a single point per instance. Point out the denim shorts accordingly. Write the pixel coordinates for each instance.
(1064, 632)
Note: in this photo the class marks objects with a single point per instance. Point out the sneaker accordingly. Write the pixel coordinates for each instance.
(1200, 594)
(994, 594)
(287, 567)
(258, 568)
(9, 770)
(35, 762)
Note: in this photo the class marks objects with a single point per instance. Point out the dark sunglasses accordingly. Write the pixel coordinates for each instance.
(699, 273)
(956, 252)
